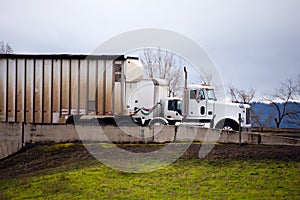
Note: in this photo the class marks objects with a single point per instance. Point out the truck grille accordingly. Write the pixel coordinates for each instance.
(248, 116)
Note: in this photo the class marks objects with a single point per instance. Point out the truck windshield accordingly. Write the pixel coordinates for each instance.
(210, 94)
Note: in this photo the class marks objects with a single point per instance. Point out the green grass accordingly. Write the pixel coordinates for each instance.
(184, 179)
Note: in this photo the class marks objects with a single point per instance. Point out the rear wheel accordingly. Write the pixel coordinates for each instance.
(157, 125)
(157, 122)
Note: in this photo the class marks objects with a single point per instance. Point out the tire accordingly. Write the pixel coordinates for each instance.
(157, 122)
(157, 125)
(228, 124)
(231, 126)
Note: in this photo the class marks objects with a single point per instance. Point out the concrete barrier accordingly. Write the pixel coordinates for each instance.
(275, 140)
(50, 133)
(10, 138)
(187, 133)
(9, 147)
(162, 134)
(126, 134)
(13, 135)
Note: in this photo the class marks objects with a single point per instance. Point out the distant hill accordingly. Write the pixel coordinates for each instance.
(266, 114)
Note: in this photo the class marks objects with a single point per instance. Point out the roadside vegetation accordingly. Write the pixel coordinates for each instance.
(82, 177)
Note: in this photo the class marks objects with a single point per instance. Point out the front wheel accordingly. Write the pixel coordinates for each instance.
(228, 124)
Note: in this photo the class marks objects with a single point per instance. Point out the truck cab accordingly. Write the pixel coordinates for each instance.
(203, 109)
(200, 100)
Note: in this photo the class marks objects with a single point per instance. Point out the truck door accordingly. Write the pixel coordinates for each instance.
(173, 109)
(197, 103)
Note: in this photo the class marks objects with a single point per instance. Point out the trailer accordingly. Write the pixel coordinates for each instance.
(37, 88)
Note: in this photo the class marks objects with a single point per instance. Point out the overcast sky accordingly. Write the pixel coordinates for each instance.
(253, 43)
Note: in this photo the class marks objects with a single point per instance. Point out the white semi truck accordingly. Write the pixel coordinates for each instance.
(58, 88)
(148, 103)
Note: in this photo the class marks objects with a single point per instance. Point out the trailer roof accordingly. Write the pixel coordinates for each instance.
(66, 56)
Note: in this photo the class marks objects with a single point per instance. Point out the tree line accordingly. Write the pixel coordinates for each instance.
(5, 48)
(284, 101)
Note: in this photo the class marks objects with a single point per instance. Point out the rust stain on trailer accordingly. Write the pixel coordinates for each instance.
(38, 88)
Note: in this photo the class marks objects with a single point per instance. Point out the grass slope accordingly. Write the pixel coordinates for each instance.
(187, 178)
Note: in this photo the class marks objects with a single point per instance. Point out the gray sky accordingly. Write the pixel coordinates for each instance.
(253, 43)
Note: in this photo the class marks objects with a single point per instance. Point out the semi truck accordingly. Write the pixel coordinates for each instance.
(59, 88)
(150, 104)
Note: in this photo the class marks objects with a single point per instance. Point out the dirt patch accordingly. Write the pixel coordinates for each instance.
(249, 152)
(36, 157)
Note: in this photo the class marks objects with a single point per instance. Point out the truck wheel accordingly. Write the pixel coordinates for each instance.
(157, 122)
(228, 124)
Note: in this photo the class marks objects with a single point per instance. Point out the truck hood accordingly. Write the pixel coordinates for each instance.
(230, 110)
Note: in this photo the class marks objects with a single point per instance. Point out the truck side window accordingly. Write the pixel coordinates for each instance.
(175, 105)
(202, 95)
(170, 105)
(193, 94)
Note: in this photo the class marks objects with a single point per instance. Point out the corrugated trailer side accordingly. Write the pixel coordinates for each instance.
(44, 88)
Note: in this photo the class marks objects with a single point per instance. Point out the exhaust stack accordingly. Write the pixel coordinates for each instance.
(185, 95)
